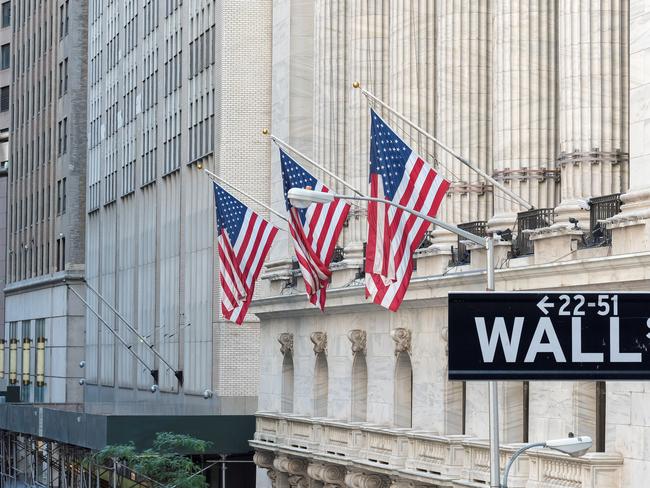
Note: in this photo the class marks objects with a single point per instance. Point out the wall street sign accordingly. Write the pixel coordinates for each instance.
(549, 336)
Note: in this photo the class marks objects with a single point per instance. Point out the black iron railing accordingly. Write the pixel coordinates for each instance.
(601, 208)
(529, 220)
(338, 255)
(461, 255)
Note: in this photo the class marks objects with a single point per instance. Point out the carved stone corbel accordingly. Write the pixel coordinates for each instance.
(364, 480)
(330, 474)
(319, 339)
(402, 338)
(263, 459)
(286, 342)
(358, 338)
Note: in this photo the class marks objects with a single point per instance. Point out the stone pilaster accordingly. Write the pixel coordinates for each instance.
(630, 232)
(463, 107)
(593, 102)
(524, 106)
(292, 107)
(367, 22)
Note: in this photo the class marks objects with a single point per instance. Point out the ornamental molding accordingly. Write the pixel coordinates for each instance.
(363, 480)
(358, 338)
(263, 459)
(286, 342)
(319, 339)
(402, 338)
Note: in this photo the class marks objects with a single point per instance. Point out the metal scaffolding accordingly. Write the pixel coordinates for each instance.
(28, 461)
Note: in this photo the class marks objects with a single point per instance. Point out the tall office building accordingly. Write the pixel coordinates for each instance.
(172, 86)
(5, 120)
(46, 197)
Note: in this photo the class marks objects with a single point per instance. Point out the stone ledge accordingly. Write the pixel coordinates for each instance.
(425, 457)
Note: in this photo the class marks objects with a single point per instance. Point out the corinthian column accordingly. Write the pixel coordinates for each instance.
(367, 22)
(524, 106)
(463, 95)
(593, 102)
(630, 229)
(330, 88)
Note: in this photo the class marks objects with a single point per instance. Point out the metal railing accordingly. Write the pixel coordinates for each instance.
(530, 220)
(460, 255)
(601, 208)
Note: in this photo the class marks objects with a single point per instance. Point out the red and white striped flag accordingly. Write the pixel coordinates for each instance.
(399, 175)
(314, 229)
(244, 241)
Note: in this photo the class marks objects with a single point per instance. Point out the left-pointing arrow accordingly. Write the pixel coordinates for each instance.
(543, 305)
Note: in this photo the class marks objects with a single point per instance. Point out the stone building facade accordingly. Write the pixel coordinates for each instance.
(46, 198)
(548, 97)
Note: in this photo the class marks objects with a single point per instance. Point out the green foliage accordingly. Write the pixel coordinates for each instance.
(166, 462)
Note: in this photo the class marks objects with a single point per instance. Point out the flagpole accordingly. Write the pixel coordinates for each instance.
(221, 180)
(284, 144)
(474, 168)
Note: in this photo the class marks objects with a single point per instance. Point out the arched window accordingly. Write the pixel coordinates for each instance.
(359, 388)
(403, 391)
(321, 384)
(287, 384)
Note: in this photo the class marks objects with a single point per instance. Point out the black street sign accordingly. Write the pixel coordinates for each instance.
(549, 336)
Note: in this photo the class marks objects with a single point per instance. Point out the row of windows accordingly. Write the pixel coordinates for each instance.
(32, 259)
(35, 207)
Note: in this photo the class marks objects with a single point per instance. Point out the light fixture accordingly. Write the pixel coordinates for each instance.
(573, 446)
(82, 381)
(154, 388)
(27, 347)
(82, 364)
(302, 198)
(40, 361)
(13, 361)
(207, 394)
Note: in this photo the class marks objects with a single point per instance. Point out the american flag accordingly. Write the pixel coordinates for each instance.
(399, 175)
(244, 241)
(314, 229)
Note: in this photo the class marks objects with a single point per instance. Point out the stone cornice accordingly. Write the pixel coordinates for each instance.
(626, 270)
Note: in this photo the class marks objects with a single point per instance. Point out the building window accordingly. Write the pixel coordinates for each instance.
(5, 56)
(287, 384)
(4, 99)
(6, 14)
(63, 136)
(403, 391)
(64, 19)
(61, 197)
(359, 388)
(321, 385)
(63, 77)
(60, 254)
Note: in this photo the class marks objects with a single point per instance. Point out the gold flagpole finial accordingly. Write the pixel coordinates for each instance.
(265, 132)
(356, 84)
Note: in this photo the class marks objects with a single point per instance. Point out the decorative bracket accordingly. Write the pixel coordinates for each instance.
(402, 338)
(359, 341)
(320, 341)
(286, 342)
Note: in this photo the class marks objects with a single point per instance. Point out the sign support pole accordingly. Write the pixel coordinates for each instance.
(495, 474)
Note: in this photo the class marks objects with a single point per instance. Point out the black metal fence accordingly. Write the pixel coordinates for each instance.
(601, 208)
(529, 220)
(461, 255)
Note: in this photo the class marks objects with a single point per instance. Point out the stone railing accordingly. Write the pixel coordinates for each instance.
(453, 461)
